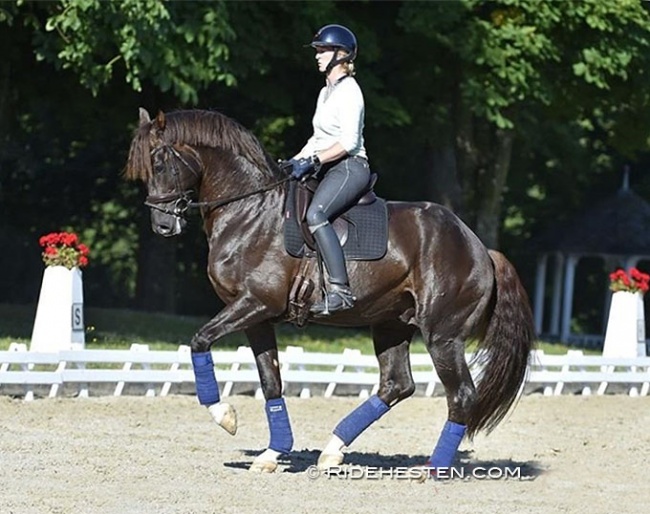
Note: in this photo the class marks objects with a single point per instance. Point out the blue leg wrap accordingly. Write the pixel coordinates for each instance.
(279, 426)
(207, 388)
(445, 452)
(360, 419)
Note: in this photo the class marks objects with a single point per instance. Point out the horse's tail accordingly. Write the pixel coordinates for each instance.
(502, 355)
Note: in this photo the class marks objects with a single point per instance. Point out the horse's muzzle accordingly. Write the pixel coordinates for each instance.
(167, 225)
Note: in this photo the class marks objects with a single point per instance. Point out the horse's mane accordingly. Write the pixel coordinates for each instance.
(197, 128)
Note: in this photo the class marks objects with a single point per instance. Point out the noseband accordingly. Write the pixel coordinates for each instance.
(182, 200)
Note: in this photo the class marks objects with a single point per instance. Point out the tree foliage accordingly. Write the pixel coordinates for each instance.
(573, 61)
(179, 46)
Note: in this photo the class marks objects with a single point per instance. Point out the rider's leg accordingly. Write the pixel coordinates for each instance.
(340, 296)
(337, 191)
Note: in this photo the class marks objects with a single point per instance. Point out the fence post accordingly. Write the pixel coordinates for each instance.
(183, 349)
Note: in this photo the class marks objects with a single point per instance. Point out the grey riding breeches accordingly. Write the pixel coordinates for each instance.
(342, 185)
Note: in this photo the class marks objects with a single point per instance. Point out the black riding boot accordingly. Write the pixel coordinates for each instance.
(339, 297)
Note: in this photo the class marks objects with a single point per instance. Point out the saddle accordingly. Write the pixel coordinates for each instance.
(362, 229)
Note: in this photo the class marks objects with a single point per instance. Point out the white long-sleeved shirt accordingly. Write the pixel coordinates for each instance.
(339, 117)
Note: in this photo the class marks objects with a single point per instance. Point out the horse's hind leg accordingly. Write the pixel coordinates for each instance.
(391, 341)
(449, 361)
(263, 343)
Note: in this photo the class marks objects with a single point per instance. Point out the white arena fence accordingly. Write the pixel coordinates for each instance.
(138, 370)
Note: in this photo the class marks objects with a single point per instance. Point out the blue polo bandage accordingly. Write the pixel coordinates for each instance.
(445, 452)
(360, 419)
(207, 388)
(279, 426)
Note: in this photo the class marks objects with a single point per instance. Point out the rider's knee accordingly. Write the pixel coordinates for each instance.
(315, 216)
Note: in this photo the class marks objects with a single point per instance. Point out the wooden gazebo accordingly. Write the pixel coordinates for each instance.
(616, 230)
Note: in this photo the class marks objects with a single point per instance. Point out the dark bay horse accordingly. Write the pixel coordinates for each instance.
(436, 277)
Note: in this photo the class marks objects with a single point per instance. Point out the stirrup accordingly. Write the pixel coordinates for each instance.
(339, 298)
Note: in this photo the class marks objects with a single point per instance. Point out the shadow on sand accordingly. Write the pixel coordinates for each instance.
(302, 460)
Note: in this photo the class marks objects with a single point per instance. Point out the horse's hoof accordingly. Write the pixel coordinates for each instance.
(225, 416)
(329, 460)
(263, 466)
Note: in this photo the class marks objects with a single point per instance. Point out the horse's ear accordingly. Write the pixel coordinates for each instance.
(160, 120)
(144, 116)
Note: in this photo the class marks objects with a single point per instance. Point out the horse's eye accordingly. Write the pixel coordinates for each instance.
(158, 165)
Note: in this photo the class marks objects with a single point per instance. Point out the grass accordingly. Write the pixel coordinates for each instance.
(118, 329)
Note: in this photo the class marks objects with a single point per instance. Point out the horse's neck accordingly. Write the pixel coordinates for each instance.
(226, 176)
(252, 220)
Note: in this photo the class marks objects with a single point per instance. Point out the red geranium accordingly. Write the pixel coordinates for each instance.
(635, 281)
(64, 249)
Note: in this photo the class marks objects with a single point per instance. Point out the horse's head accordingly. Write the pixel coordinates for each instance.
(170, 170)
(202, 152)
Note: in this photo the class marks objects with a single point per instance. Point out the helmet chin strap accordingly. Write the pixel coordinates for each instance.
(334, 61)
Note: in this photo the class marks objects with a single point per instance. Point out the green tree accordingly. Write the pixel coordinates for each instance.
(572, 61)
(178, 46)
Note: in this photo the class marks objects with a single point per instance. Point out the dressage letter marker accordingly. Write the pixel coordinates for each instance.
(59, 323)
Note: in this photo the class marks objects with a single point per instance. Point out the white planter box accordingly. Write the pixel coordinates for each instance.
(625, 335)
(59, 323)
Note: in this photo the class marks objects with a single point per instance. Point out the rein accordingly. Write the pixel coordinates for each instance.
(220, 203)
(183, 201)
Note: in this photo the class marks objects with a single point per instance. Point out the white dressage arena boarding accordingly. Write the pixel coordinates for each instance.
(27, 375)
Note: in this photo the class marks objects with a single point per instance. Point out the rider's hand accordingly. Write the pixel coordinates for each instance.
(301, 167)
(285, 165)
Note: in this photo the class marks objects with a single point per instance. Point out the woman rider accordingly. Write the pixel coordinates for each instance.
(335, 153)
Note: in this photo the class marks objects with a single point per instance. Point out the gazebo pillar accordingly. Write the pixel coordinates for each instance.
(631, 262)
(611, 263)
(540, 282)
(567, 304)
(557, 294)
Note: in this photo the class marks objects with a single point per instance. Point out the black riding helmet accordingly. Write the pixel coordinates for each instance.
(339, 37)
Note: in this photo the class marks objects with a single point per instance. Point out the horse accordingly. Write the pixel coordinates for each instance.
(436, 277)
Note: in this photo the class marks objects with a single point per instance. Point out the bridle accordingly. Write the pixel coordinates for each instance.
(182, 199)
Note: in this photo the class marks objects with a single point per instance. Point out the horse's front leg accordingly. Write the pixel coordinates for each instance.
(263, 343)
(237, 316)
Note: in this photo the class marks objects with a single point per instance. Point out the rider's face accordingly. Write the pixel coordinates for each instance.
(324, 55)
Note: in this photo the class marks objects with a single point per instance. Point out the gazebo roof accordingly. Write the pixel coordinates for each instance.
(620, 225)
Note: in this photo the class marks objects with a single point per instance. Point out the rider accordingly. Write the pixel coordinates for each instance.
(335, 153)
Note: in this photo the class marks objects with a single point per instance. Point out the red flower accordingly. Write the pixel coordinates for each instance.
(83, 249)
(64, 249)
(636, 281)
